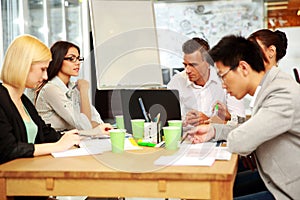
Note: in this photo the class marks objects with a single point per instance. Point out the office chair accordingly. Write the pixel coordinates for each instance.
(296, 75)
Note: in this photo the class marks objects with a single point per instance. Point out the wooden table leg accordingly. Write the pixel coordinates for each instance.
(3, 189)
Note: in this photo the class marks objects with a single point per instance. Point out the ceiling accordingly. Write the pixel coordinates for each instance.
(283, 13)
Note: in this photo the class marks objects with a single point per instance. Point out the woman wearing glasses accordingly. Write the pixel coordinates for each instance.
(63, 103)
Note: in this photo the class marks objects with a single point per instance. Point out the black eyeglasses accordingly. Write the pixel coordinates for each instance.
(74, 59)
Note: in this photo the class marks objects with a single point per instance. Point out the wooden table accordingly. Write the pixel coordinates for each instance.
(131, 174)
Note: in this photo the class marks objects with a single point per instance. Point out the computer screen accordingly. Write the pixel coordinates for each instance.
(108, 104)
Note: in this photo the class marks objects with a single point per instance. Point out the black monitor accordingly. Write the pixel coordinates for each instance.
(165, 102)
(108, 104)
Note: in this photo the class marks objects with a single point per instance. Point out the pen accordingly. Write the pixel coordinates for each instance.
(157, 118)
(146, 144)
(143, 110)
(149, 117)
(95, 136)
(107, 129)
(184, 137)
(221, 143)
(216, 109)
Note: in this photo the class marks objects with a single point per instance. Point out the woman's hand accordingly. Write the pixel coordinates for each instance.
(83, 85)
(69, 139)
(105, 128)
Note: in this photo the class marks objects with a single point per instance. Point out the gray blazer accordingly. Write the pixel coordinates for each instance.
(273, 134)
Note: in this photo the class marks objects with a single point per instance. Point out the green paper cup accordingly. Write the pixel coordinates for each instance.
(120, 122)
(172, 136)
(117, 138)
(137, 128)
(177, 123)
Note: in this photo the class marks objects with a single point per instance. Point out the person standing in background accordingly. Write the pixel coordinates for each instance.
(200, 89)
(63, 103)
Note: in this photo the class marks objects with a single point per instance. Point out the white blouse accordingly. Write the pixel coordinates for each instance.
(59, 106)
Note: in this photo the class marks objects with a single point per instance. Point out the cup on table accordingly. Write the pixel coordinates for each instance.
(120, 122)
(175, 122)
(172, 135)
(138, 128)
(117, 138)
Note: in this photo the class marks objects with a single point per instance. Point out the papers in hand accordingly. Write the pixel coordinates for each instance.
(203, 154)
(93, 146)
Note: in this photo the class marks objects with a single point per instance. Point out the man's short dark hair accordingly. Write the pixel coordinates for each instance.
(232, 49)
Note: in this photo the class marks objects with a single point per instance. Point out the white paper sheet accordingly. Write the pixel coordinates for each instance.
(222, 153)
(203, 154)
(94, 146)
(71, 152)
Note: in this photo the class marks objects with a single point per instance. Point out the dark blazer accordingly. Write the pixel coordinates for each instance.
(13, 136)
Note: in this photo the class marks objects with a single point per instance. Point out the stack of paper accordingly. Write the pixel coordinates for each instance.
(203, 154)
(94, 146)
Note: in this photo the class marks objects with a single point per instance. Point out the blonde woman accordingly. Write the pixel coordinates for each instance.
(23, 132)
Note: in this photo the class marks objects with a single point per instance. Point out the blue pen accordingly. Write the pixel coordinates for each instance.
(144, 110)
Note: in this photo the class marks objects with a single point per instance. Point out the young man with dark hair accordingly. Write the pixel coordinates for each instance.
(272, 133)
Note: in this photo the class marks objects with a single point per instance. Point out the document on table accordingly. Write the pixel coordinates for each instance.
(221, 153)
(94, 146)
(203, 154)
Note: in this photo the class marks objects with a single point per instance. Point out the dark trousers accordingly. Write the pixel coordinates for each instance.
(248, 185)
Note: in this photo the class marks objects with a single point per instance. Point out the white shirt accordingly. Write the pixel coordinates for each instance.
(203, 99)
(60, 111)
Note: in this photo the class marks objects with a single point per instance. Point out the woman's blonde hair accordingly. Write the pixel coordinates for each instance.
(24, 51)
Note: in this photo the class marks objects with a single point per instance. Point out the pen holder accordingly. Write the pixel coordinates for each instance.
(150, 131)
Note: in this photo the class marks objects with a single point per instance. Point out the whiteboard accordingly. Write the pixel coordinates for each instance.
(210, 20)
(125, 44)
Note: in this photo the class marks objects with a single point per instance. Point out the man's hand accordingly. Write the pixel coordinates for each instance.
(223, 112)
(216, 119)
(202, 133)
(195, 118)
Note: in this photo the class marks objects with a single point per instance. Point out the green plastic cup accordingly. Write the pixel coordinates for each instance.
(138, 128)
(120, 122)
(117, 138)
(172, 135)
(177, 123)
